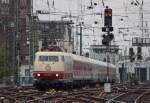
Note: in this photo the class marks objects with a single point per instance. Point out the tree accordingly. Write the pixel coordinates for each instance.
(5, 70)
(134, 80)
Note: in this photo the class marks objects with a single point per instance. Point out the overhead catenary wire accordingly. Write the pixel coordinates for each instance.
(82, 12)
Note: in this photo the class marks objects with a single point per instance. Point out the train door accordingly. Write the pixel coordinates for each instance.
(68, 62)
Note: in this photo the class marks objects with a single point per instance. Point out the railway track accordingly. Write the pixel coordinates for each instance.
(136, 94)
(30, 95)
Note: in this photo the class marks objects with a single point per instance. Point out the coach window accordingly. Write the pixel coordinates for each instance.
(43, 58)
(53, 58)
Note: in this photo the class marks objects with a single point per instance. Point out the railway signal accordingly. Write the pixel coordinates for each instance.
(107, 27)
(139, 53)
(107, 39)
(108, 17)
(131, 54)
(110, 37)
(107, 20)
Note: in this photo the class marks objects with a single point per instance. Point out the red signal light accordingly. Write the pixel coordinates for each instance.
(108, 14)
(108, 17)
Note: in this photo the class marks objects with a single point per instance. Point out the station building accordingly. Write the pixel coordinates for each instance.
(99, 52)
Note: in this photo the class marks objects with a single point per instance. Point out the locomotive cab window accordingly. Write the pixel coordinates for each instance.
(43, 58)
(53, 58)
(49, 58)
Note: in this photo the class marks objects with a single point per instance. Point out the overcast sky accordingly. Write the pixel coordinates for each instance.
(126, 14)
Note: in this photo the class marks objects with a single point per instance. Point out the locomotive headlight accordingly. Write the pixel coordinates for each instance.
(38, 75)
(57, 75)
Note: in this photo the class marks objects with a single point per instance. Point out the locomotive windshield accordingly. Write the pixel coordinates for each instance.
(53, 58)
(43, 58)
(49, 58)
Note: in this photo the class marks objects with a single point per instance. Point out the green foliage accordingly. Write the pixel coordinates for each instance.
(5, 71)
(4, 65)
(2, 55)
(134, 80)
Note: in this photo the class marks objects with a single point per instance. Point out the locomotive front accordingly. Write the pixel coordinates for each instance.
(48, 66)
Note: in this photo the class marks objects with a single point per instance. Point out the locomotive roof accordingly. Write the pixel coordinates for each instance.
(76, 57)
(49, 53)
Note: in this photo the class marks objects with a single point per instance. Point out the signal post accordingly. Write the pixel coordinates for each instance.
(107, 38)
